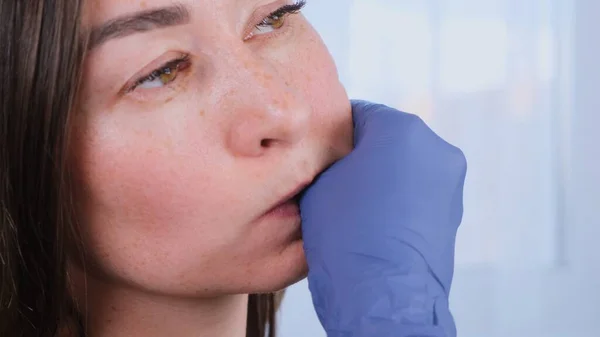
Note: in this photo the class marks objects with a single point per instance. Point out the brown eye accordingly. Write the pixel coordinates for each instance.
(158, 78)
(277, 21)
(162, 76)
(270, 24)
(168, 75)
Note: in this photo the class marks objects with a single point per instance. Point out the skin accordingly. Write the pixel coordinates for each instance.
(174, 181)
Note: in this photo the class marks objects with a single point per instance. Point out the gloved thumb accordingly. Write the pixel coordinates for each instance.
(379, 121)
(361, 111)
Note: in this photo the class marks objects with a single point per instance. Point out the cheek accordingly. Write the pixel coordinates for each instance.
(135, 179)
(316, 73)
(150, 214)
(316, 76)
(136, 188)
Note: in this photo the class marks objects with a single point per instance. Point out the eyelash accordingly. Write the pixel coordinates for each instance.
(294, 8)
(176, 64)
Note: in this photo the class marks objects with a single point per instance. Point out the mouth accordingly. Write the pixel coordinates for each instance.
(288, 205)
(294, 195)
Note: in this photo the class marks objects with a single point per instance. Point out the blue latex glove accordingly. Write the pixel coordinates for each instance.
(379, 230)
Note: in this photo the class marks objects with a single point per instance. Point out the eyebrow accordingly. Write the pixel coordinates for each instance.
(139, 22)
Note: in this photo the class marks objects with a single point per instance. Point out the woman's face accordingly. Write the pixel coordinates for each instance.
(197, 117)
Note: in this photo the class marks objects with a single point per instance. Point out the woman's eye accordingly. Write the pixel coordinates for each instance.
(270, 24)
(158, 78)
(276, 20)
(162, 76)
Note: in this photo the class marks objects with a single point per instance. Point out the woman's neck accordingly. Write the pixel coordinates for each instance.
(116, 312)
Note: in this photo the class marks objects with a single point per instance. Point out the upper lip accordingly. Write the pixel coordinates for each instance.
(288, 196)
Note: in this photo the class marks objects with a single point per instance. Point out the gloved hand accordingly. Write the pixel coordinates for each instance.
(379, 230)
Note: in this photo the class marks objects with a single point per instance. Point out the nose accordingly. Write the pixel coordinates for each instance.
(265, 113)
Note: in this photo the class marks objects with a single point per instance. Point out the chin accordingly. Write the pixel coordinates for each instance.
(287, 267)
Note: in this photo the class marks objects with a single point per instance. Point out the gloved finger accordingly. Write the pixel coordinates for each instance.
(379, 124)
(361, 111)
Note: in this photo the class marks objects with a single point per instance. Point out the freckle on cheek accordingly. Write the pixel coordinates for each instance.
(169, 146)
(285, 104)
(201, 113)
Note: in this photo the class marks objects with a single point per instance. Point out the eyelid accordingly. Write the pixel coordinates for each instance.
(158, 64)
(289, 8)
(264, 12)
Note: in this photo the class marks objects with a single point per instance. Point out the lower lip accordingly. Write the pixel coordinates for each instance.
(286, 210)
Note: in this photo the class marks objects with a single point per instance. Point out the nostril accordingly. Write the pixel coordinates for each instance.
(266, 142)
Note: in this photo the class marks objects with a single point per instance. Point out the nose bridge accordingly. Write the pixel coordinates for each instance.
(256, 75)
(265, 110)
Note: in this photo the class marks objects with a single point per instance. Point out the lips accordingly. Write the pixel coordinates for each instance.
(295, 193)
(289, 202)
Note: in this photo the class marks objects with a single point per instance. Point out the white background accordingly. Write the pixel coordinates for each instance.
(514, 84)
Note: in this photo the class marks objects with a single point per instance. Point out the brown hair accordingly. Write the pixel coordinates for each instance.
(43, 48)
